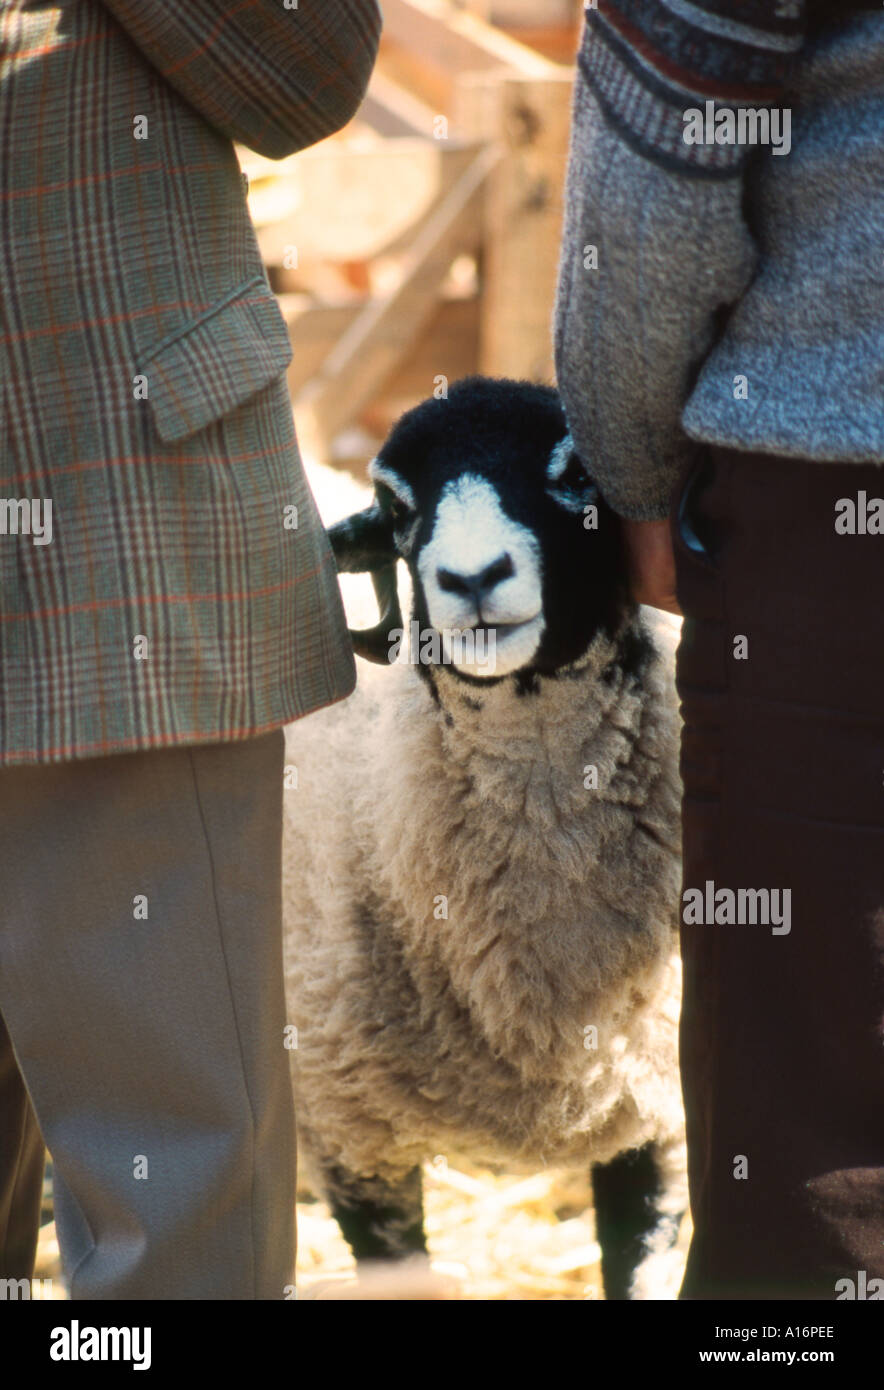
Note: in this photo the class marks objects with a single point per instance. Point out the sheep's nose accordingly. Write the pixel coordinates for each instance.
(480, 584)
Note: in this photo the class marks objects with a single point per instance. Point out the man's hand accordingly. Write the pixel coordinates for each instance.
(651, 563)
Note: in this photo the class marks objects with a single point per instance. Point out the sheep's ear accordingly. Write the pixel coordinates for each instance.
(363, 541)
(373, 643)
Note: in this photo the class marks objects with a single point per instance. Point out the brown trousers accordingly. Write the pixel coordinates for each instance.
(782, 1031)
(142, 1020)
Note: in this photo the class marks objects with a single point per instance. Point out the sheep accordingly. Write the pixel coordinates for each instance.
(482, 852)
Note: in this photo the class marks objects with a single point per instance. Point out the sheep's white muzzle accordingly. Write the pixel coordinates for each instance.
(473, 537)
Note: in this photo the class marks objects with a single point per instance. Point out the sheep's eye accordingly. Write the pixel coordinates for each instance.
(575, 476)
(398, 511)
(569, 483)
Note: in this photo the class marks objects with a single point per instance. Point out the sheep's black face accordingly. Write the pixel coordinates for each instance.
(501, 526)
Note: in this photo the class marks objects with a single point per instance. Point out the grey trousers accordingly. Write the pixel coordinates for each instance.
(142, 996)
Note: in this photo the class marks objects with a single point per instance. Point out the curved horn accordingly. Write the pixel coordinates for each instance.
(373, 643)
(364, 543)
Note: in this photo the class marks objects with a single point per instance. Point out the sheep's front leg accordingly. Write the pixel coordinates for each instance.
(379, 1220)
(625, 1193)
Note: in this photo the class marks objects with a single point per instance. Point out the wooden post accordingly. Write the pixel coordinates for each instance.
(523, 227)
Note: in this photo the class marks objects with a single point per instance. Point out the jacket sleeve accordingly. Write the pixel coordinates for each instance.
(655, 246)
(273, 78)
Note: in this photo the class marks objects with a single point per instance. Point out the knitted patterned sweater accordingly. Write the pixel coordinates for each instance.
(722, 269)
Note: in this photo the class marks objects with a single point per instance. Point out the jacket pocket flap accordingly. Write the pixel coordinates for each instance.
(217, 362)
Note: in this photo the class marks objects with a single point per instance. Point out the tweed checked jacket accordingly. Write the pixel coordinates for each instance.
(187, 593)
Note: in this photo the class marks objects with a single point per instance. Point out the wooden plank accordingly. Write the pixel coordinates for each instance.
(517, 13)
(390, 109)
(525, 14)
(558, 42)
(380, 337)
(448, 344)
(416, 73)
(313, 331)
(456, 40)
(427, 45)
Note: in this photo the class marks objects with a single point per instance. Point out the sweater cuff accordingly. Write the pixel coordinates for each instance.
(683, 84)
(640, 490)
